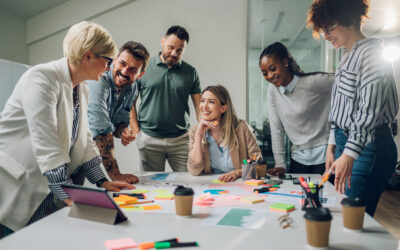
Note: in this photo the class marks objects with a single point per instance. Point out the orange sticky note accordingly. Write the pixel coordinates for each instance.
(125, 199)
(152, 207)
(119, 244)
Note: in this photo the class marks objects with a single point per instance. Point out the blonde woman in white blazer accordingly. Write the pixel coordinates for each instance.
(44, 133)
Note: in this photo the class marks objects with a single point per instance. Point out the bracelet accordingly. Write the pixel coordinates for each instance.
(101, 181)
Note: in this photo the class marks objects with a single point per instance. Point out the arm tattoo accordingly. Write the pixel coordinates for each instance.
(105, 143)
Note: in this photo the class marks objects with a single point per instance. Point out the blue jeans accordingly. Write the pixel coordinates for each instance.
(373, 167)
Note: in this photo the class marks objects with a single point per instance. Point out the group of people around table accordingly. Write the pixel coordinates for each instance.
(53, 132)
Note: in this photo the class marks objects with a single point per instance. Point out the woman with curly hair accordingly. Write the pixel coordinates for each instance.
(361, 150)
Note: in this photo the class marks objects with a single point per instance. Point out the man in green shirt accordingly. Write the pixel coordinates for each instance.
(163, 118)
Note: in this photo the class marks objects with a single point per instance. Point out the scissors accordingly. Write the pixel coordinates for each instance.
(285, 221)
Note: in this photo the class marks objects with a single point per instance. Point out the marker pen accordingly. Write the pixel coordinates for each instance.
(160, 245)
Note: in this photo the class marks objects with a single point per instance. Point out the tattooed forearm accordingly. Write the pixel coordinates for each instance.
(105, 143)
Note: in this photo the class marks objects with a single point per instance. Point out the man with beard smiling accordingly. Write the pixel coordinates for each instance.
(163, 118)
(110, 102)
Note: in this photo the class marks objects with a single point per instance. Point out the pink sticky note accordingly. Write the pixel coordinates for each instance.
(120, 244)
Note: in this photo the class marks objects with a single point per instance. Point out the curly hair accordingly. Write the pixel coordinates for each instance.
(324, 13)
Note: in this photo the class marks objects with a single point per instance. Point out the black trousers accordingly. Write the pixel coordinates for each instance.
(298, 168)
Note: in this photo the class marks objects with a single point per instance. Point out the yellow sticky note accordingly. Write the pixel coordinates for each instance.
(164, 196)
(139, 191)
(216, 181)
(251, 199)
(254, 182)
(151, 207)
(132, 208)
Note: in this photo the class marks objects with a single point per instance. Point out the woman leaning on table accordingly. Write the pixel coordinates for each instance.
(364, 103)
(221, 141)
(298, 105)
(45, 140)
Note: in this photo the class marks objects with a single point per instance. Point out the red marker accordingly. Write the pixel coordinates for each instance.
(304, 184)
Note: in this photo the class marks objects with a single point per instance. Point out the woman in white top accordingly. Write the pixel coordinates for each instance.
(298, 106)
(45, 139)
(364, 103)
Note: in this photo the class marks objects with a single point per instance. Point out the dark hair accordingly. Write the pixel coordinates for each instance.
(178, 31)
(138, 51)
(324, 13)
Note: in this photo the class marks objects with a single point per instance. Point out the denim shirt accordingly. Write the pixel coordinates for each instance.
(220, 158)
(106, 111)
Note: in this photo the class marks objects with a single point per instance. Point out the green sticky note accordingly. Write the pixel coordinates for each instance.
(282, 207)
(139, 191)
(139, 208)
(216, 181)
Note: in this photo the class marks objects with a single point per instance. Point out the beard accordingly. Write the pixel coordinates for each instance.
(169, 60)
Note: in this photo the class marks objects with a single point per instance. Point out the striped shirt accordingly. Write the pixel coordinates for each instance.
(364, 95)
(61, 175)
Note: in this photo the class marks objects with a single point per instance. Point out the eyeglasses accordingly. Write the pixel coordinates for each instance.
(109, 60)
(327, 31)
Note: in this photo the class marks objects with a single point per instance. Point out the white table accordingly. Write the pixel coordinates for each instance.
(58, 231)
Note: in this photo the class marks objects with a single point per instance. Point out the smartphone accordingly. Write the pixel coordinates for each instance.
(273, 182)
(296, 181)
(286, 177)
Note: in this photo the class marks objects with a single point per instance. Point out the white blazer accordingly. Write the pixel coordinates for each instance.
(35, 137)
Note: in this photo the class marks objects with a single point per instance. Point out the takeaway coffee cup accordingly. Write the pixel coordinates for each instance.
(318, 224)
(183, 200)
(261, 170)
(353, 213)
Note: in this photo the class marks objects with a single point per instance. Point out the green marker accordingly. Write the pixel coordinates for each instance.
(160, 245)
(312, 187)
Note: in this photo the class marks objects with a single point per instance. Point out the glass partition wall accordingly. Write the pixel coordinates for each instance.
(284, 21)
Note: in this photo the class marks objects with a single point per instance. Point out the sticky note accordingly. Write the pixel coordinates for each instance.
(140, 191)
(132, 208)
(118, 244)
(151, 207)
(216, 181)
(254, 182)
(251, 199)
(161, 191)
(125, 199)
(283, 207)
(164, 196)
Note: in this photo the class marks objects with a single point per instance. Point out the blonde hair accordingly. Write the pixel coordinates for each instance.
(85, 36)
(229, 120)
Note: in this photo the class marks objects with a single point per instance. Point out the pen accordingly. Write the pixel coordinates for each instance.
(148, 245)
(169, 240)
(160, 245)
(261, 190)
(137, 195)
(325, 177)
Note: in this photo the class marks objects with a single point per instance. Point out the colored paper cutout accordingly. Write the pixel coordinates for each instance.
(282, 207)
(119, 244)
(159, 177)
(216, 191)
(251, 199)
(151, 207)
(235, 217)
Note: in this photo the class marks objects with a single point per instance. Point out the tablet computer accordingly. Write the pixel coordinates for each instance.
(94, 198)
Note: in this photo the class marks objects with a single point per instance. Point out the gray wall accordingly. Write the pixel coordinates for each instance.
(13, 44)
(217, 46)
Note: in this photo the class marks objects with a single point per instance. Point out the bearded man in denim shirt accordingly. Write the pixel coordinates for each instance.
(110, 102)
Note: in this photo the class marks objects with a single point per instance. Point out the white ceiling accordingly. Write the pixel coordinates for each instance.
(28, 8)
(284, 20)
